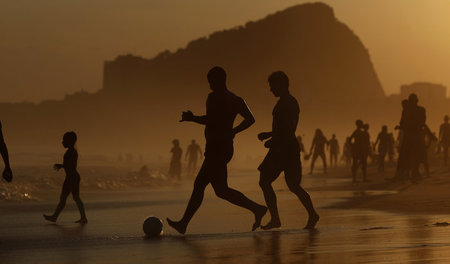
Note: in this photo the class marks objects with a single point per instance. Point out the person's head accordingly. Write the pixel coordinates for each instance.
(359, 123)
(69, 139)
(319, 133)
(366, 127)
(413, 99)
(279, 83)
(446, 118)
(333, 136)
(405, 103)
(217, 78)
(193, 141)
(384, 129)
(176, 142)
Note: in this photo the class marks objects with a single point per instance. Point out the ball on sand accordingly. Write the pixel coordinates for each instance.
(153, 227)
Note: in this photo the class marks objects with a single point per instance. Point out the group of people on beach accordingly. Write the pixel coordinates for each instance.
(284, 147)
(193, 153)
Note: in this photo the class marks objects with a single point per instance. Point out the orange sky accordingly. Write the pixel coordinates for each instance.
(52, 47)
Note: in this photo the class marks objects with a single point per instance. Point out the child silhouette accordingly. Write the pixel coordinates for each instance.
(72, 181)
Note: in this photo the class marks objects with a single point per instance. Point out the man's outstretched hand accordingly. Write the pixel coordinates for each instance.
(264, 135)
(187, 116)
(7, 174)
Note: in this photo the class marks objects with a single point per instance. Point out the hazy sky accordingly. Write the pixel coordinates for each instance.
(52, 47)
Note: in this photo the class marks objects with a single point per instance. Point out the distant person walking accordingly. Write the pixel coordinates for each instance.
(333, 146)
(284, 152)
(318, 150)
(175, 161)
(360, 149)
(444, 138)
(222, 107)
(72, 181)
(191, 156)
(383, 142)
(7, 173)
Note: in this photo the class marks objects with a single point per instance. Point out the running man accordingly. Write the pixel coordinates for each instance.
(7, 173)
(191, 153)
(222, 107)
(284, 152)
(333, 146)
(444, 138)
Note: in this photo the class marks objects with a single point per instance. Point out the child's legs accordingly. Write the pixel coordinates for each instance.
(76, 198)
(63, 197)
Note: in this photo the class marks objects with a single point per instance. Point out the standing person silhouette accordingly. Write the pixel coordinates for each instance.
(222, 107)
(7, 173)
(284, 152)
(383, 141)
(72, 181)
(175, 162)
(318, 144)
(333, 146)
(412, 123)
(444, 138)
(360, 149)
(191, 153)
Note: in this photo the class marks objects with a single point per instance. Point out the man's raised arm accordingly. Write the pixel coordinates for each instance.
(248, 118)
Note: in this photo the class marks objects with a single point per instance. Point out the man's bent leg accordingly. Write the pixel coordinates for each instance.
(219, 182)
(195, 201)
(265, 181)
(293, 176)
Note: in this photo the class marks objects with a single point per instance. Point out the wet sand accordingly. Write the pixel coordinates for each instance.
(354, 227)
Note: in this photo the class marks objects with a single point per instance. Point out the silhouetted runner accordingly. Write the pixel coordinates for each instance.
(318, 145)
(72, 181)
(222, 107)
(284, 152)
(333, 146)
(383, 142)
(191, 156)
(444, 138)
(360, 150)
(175, 162)
(7, 173)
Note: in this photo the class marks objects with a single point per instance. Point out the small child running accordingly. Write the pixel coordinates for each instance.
(72, 181)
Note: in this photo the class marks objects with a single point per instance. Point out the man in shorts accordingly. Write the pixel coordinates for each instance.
(222, 107)
(284, 152)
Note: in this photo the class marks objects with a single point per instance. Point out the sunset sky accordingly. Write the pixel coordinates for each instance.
(52, 47)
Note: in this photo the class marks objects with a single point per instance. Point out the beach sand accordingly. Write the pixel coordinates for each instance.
(375, 222)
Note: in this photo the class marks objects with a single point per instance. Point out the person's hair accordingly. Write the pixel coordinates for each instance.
(279, 78)
(384, 127)
(319, 133)
(359, 123)
(70, 137)
(217, 74)
(176, 142)
(446, 117)
(412, 98)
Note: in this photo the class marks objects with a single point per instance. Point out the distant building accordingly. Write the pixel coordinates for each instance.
(428, 93)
